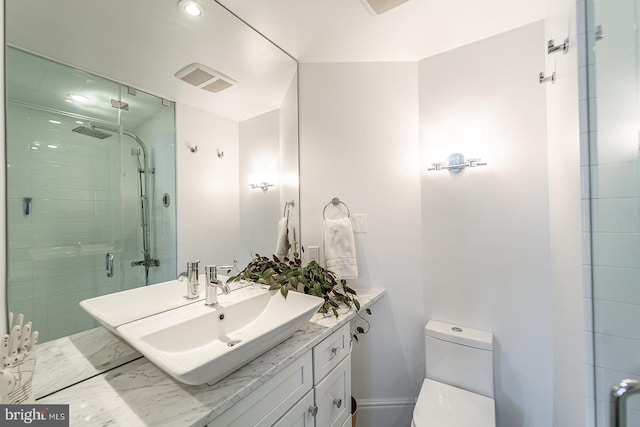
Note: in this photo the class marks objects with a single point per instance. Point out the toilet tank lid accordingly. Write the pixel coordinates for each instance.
(459, 334)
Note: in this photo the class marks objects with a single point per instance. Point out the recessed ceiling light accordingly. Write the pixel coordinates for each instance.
(190, 7)
(77, 98)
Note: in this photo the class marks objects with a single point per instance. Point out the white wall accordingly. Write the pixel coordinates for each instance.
(259, 210)
(564, 214)
(359, 142)
(486, 230)
(207, 193)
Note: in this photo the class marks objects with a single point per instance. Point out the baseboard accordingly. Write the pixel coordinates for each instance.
(385, 412)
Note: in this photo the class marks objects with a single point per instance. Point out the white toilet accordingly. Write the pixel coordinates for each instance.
(458, 389)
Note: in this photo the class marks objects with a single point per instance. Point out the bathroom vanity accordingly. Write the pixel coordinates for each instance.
(305, 381)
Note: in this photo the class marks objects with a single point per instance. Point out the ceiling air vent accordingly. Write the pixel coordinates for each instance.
(205, 78)
(378, 7)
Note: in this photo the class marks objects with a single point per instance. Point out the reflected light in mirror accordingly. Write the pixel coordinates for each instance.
(190, 7)
(77, 98)
(261, 180)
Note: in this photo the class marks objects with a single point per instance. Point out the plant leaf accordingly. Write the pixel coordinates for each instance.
(284, 291)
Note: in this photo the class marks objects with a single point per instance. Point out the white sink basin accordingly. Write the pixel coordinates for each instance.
(119, 308)
(197, 343)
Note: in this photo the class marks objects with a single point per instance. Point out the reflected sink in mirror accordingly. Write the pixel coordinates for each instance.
(199, 344)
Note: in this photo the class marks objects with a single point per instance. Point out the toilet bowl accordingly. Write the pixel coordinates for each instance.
(458, 389)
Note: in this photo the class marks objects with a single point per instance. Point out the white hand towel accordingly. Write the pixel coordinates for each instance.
(282, 244)
(340, 248)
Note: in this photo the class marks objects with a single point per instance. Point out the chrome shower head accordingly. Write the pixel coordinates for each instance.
(92, 132)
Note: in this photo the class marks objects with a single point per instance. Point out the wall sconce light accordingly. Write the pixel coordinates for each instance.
(455, 163)
(263, 185)
(261, 182)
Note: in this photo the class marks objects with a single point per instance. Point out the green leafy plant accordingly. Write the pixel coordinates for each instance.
(290, 275)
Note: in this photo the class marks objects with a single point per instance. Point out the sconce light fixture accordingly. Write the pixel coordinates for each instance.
(260, 181)
(455, 163)
(263, 185)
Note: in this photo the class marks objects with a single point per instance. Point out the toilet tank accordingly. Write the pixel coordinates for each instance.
(459, 356)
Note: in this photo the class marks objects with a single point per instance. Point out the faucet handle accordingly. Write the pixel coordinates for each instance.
(211, 273)
(193, 264)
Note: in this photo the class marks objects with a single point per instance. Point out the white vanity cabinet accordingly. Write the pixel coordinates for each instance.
(313, 391)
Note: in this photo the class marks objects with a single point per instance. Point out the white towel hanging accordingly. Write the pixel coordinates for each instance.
(340, 248)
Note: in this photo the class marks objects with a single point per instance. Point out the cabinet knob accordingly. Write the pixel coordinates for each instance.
(337, 402)
(313, 410)
(335, 350)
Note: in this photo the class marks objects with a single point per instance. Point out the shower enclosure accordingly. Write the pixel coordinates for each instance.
(613, 69)
(91, 190)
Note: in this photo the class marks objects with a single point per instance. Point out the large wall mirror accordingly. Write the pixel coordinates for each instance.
(125, 160)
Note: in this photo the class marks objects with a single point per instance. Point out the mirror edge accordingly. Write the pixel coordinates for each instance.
(4, 309)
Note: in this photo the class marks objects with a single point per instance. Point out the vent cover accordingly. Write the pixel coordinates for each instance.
(378, 7)
(205, 78)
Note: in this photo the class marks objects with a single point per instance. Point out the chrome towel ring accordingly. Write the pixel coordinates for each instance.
(335, 202)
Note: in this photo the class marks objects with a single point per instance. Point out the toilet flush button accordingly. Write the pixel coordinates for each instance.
(456, 329)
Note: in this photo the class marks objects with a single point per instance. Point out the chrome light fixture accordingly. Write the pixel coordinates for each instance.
(456, 163)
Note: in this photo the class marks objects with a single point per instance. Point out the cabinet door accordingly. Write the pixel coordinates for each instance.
(333, 396)
(301, 415)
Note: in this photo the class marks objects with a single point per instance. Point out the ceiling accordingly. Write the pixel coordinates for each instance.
(143, 43)
(344, 31)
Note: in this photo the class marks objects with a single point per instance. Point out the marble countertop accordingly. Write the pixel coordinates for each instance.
(124, 388)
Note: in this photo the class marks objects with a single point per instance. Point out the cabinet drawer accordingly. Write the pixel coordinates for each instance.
(333, 396)
(300, 415)
(330, 352)
(266, 404)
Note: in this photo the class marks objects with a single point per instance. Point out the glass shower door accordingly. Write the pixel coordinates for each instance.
(614, 139)
(89, 162)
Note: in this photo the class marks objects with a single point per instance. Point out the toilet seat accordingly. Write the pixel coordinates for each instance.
(442, 405)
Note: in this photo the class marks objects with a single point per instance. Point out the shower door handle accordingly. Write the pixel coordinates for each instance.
(618, 401)
(109, 265)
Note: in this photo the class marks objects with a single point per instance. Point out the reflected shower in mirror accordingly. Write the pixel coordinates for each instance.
(121, 169)
(94, 222)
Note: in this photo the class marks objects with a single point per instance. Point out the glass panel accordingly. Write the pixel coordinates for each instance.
(148, 198)
(615, 197)
(74, 191)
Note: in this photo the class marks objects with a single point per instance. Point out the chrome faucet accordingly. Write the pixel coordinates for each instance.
(211, 288)
(193, 287)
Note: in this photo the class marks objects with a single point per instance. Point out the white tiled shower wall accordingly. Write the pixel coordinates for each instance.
(609, 137)
(57, 252)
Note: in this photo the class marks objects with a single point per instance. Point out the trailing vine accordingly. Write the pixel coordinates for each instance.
(290, 275)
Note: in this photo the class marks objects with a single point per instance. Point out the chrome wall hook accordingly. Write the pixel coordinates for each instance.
(194, 149)
(543, 79)
(551, 47)
(220, 153)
